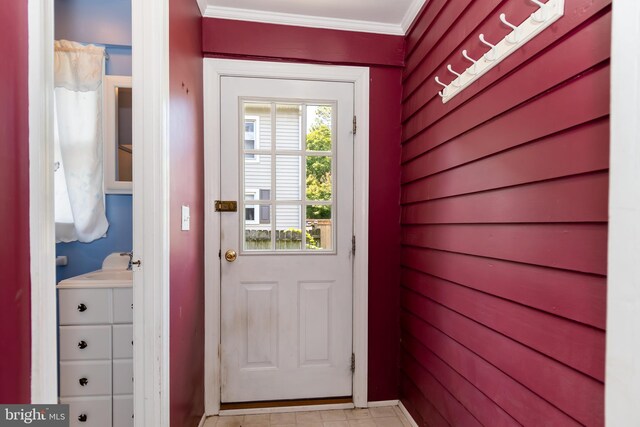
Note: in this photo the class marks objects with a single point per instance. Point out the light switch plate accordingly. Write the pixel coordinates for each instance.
(186, 218)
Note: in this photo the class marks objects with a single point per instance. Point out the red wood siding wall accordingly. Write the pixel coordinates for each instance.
(504, 220)
(384, 55)
(15, 289)
(186, 188)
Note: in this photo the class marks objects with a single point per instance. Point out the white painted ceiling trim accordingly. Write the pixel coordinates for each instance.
(313, 21)
(202, 4)
(411, 14)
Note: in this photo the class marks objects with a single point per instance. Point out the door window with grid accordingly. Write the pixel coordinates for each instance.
(288, 176)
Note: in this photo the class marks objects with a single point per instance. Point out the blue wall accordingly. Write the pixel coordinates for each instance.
(108, 23)
(102, 22)
(85, 257)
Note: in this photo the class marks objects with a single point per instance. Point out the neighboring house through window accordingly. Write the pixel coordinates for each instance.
(265, 211)
(251, 137)
(257, 214)
(251, 212)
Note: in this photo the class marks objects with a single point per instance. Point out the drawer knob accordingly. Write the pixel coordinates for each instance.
(82, 345)
(82, 418)
(82, 307)
(83, 381)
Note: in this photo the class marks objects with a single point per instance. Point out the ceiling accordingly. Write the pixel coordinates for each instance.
(373, 16)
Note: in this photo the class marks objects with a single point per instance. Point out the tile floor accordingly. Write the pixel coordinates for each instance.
(387, 416)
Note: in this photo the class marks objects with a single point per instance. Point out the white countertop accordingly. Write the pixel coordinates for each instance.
(99, 279)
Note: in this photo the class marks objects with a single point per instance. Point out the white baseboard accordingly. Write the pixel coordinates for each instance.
(381, 403)
(253, 411)
(407, 415)
(202, 420)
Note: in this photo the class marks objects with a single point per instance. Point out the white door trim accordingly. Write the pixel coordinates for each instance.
(622, 389)
(44, 366)
(150, 81)
(214, 69)
(150, 210)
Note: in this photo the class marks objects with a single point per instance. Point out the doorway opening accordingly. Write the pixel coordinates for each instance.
(150, 239)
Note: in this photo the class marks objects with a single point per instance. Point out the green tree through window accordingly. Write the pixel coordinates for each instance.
(319, 167)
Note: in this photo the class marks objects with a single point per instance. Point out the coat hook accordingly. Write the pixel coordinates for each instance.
(467, 57)
(441, 93)
(440, 83)
(492, 51)
(452, 71)
(539, 16)
(513, 37)
(455, 82)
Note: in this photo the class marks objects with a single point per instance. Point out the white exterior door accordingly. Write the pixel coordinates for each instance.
(286, 298)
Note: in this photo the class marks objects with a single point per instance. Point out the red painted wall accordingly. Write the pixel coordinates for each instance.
(186, 188)
(247, 40)
(284, 42)
(504, 220)
(384, 232)
(15, 318)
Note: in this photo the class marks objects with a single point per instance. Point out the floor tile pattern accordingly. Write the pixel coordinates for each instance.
(386, 416)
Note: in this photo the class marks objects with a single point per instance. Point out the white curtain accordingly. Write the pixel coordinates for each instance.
(79, 194)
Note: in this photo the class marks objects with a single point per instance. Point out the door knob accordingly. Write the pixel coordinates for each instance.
(82, 345)
(230, 255)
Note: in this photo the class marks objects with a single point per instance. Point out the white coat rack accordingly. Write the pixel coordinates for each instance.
(547, 14)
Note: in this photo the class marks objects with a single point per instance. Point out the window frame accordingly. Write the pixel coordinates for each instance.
(256, 137)
(256, 208)
(109, 134)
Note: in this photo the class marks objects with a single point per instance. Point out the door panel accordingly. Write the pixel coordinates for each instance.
(260, 325)
(315, 323)
(286, 300)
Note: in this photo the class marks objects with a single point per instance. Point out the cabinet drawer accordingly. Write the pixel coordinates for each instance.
(123, 305)
(123, 376)
(84, 306)
(85, 378)
(122, 341)
(122, 411)
(89, 411)
(85, 342)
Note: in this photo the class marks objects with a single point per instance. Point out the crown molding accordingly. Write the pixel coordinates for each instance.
(202, 5)
(306, 20)
(412, 13)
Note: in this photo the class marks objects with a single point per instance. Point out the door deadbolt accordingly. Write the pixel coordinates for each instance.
(230, 255)
(226, 206)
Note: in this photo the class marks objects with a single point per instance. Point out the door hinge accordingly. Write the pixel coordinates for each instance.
(355, 124)
(353, 362)
(353, 244)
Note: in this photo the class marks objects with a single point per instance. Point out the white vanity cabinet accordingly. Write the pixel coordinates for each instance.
(96, 353)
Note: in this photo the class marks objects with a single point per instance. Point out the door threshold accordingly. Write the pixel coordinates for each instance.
(295, 405)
